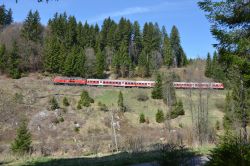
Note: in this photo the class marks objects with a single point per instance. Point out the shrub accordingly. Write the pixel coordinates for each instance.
(142, 97)
(86, 100)
(120, 102)
(230, 151)
(65, 102)
(61, 119)
(157, 92)
(178, 110)
(217, 125)
(142, 118)
(103, 107)
(22, 143)
(53, 103)
(159, 117)
(79, 105)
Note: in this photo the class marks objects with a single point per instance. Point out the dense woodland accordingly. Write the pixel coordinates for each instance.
(73, 48)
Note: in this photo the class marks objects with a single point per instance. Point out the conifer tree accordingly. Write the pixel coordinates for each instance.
(143, 65)
(137, 41)
(13, 62)
(209, 67)
(124, 59)
(32, 28)
(2, 58)
(179, 55)
(53, 103)
(157, 92)
(120, 102)
(22, 142)
(167, 51)
(100, 63)
(159, 116)
(52, 57)
(142, 118)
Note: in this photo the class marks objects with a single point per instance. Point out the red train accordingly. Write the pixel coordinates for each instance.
(131, 83)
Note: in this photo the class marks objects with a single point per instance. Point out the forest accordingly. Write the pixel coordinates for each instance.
(72, 48)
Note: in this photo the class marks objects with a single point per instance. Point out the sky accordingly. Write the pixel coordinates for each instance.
(193, 26)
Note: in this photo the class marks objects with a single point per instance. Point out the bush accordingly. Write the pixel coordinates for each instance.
(217, 125)
(142, 97)
(178, 110)
(22, 143)
(53, 103)
(65, 102)
(120, 102)
(230, 151)
(159, 117)
(103, 107)
(157, 92)
(85, 100)
(142, 118)
(79, 105)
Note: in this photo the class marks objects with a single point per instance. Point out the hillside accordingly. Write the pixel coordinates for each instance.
(53, 132)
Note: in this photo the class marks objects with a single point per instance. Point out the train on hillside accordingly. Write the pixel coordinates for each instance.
(131, 83)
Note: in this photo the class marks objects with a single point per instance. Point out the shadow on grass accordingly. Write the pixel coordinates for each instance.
(172, 155)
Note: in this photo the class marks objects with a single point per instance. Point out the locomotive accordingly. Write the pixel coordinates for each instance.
(131, 83)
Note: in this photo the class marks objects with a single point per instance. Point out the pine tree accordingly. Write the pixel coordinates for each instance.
(159, 116)
(8, 18)
(53, 103)
(137, 42)
(32, 28)
(65, 102)
(13, 62)
(157, 92)
(79, 66)
(100, 63)
(178, 53)
(142, 118)
(2, 58)
(85, 100)
(120, 102)
(208, 71)
(22, 143)
(143, 65)
(167, 51)
(124, 59)
(52, 56)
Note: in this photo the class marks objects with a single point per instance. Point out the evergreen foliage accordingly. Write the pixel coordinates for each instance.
(209, 66)
(22, 142)
(5, 16)
(180, 58)
(159, 116)
(65, 102)
(143, 65)
(13, 62)
(85, 100)
(167, 51)
(142, 118)
(32, 28)
(100, 63)
(53, 103)
(157, 92)
(230, 151)
(120, 102)
(178, 110)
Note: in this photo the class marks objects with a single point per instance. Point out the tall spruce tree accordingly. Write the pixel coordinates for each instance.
(22, 142)
(143, 65)
(167, 51)
(13, 62)
(32, 28)
(2, 58)
(100, 63)
(179, 55)
(124, 60)
(157, 92)
(209, 67)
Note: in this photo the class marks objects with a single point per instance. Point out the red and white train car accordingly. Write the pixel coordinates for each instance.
(197, 85)
(131, 83)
